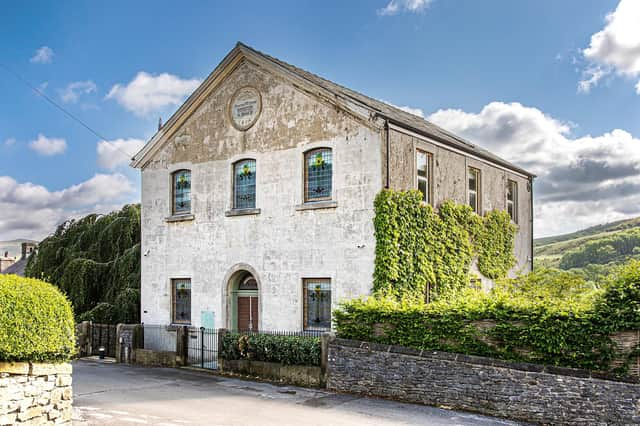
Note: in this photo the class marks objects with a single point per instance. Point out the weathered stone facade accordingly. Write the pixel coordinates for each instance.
(449, 182)
(283, 240)
(527, 392)
(35, 393)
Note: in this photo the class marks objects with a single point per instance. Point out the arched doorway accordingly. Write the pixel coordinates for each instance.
(243, 292)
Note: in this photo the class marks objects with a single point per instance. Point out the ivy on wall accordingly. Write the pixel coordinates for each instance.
(95, 261)
(423, 252)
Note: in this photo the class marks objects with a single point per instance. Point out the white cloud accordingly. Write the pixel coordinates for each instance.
(617, 46)
(117, 153)
(396, 6)
(73, 91)
(47, 209)
(582, 181)
(592, 75)
(9, 142)
(147, 92)
(410, 110)
(48, 146)
(43, 55)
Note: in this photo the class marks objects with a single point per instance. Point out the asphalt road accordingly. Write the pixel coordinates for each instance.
(115, 394)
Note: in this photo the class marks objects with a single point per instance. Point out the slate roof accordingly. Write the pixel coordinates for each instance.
(394, 115)
(17, 268)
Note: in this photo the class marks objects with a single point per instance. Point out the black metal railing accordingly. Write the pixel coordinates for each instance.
(302, 333)
(198, 346)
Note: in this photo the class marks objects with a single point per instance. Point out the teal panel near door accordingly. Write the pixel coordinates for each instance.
(207, 319)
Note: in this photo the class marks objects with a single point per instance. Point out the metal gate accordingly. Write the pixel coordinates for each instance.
(103, 335)
(202, 348)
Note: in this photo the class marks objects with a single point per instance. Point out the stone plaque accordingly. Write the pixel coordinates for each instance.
(245, 107)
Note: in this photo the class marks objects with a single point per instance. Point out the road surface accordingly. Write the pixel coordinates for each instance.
(116, 394)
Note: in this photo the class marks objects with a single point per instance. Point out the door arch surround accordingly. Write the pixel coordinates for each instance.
(242, 298)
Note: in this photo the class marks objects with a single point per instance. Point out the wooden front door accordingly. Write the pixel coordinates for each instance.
(248, 313)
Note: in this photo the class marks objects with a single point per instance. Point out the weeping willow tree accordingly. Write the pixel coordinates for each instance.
(95, 261)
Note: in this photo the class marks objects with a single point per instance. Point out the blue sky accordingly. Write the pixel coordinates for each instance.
(504, 74)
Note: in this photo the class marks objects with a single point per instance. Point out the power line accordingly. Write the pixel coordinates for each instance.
(61, 108)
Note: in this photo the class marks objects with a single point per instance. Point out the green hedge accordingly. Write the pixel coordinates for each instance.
(36, 321)
(288, 350)
(547, 317)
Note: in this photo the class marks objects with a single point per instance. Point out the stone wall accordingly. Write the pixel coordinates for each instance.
(526, 392)
(34, 393)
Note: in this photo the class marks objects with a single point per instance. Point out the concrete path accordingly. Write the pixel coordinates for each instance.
(115, 394)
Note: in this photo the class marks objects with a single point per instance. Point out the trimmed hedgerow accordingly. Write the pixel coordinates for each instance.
(36, 321)
(288, 350)
(548, 317)
(423, 253)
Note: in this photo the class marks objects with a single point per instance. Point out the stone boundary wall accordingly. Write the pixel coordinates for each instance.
(519, 391)
(35, 393)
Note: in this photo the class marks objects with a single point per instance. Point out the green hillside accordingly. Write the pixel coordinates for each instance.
(594, 250)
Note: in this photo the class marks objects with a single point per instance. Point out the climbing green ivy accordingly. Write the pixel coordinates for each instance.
(423, 252)
(95, 261)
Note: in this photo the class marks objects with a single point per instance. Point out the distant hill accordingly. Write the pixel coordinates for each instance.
(593, 250)
(14, 247)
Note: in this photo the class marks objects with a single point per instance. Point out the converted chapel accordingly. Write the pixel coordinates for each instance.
(257, 195)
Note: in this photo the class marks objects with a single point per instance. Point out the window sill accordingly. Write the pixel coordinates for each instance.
(179, 218)
(241, 212)
(316, 205)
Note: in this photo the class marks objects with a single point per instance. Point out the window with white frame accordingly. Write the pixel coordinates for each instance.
(423, 174)
(512, 200)
(474, 189)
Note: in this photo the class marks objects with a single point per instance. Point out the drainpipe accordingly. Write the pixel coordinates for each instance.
(531, 216)
(388, 141)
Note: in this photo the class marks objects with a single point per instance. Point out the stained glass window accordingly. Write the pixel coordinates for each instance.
(244, 184)
(182, 192)
(512, 200)
(474, 189)
(423, 167)
(318, 173)
(317, 303)
(181, 293)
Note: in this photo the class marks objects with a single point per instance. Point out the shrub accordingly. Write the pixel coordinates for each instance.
(36, 321)
(549, 317)
(288, 350)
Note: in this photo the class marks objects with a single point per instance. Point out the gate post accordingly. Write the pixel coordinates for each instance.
(182, 345)
(202, 347)
(324, 356)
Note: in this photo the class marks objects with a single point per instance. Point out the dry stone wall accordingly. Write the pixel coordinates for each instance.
(35, 393)
(527, 392)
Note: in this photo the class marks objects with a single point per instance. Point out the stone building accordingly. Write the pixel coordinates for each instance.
(257, 195)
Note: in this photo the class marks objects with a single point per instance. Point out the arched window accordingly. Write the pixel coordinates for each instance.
(181, 192)
(318, 169)
(244, 184)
